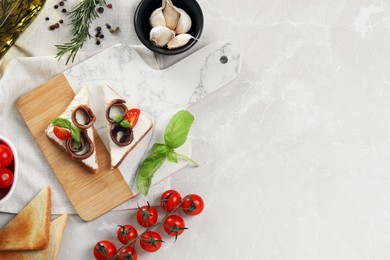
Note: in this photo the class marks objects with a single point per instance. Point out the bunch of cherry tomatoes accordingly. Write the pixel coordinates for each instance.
(147, 217)
(6, 167)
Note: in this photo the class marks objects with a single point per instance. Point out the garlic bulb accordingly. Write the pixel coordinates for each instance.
(184, 24)
(157, 18)
(179, 41)
(171, 15)
(161, 35)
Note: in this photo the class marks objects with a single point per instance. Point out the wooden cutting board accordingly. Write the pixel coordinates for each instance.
(92, 195)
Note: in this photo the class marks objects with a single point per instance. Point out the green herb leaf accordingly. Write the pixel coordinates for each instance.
(172, 156)
(178, 129)
(62, 122)
(160, 149)
(118, 118)
(147, 170)
(125, 124)
(75, 132)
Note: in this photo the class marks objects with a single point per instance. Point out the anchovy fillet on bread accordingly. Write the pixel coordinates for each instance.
(78, 111)
(134, 135)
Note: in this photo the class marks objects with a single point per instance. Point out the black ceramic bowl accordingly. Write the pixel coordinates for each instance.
(142, 26)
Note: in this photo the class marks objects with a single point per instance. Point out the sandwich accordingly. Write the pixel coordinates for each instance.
(73, 131)
(126, 124)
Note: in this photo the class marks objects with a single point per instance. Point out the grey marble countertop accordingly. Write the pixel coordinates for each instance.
(295, 151)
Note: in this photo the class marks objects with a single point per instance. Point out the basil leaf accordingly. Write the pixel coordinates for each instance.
(75, 132)
(172, 156)
(118, 118)
(147, 170)
(160, 149)
(178, 129)
(62, 122)
(125, 124)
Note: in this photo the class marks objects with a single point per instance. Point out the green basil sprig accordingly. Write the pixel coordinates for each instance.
(175, 136)
(74, 130)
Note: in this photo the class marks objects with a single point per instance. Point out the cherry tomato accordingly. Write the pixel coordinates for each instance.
(174, 225)
(151, 241)
(147, 216)
(6, 178)
(169, 200)
(6, 155)
(104, 250)
(132, 116)
(61, 133)
(126, 233)
(127, 253)
(192, 205)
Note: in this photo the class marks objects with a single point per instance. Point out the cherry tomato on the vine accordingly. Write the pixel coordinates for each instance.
(169, 200)
(151, 241)
(192, 205)
(6, 178)
(126, 233)
(174, 225)
(104, 249)
(6, 155)
(127, 253)
(147, 216)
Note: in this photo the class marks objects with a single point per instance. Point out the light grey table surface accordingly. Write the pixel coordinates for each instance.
(294, 152)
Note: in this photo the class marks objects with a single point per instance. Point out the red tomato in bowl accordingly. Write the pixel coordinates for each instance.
(6, 178)
(6, 155)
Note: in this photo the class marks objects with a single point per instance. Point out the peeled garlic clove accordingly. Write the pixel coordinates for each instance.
(184, 24)
(161, 35)
(171, 15)
(157, 18)
(179, 40)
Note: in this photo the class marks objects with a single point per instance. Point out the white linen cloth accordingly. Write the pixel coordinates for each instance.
(26, 66)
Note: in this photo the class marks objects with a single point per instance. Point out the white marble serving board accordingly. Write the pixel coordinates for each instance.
(161, 93)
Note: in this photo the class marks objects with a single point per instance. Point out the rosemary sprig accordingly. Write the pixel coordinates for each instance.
(81, 18)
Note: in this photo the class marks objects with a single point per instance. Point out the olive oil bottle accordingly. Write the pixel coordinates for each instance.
(15, 16)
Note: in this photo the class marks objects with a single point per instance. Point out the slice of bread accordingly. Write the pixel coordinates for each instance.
(50, 253)
(29, 229)
(143, 126)
(81, 98)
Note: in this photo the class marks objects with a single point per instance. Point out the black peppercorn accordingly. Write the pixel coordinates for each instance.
(64, 10)
(101, 36)
(100, 10)
(62, 3)
(56, 6)
(47, 18)
(61, 21)
(108, 26)
(52, 27)
(98, 42)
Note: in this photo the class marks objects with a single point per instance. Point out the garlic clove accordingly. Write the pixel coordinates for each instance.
(179, 41)
(171, 15)
(161, 35)
(157, 18)
(184, 24)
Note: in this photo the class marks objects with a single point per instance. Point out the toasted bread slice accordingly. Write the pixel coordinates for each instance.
(81, 99)
(143, 126)
(29, 229)
(50, 253)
